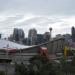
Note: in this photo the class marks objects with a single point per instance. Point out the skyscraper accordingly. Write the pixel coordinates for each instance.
(46, 36)
(73, 34)
(15, 34)
(0, 36)
(32, 35)
(21, 34)
(40, 38)
(10, 37)
(18, 35)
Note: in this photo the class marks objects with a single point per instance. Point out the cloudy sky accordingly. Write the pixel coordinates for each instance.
(39, 14)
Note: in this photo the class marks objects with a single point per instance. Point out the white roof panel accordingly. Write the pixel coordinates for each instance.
(5, 44)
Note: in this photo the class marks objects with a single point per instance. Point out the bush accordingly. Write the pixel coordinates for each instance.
(20, 69)
(2, 73)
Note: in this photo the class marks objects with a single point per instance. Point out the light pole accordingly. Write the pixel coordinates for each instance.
(50, 32)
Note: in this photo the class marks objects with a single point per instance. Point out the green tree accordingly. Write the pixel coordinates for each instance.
(40, 65)
(2, 73)
(20, 69)
(65, 66)
(72, 66)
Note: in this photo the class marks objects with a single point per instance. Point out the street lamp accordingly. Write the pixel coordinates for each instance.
(50, 32)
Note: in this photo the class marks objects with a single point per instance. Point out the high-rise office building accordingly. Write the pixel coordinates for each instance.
(32, 35)
(40, 38)
(18, 35)
(73, 34)
(15, 34)
(46, 36)
(21, 34)
(0, 36)
(10, 37)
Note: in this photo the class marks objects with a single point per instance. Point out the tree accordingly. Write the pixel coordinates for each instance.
(20, 69)
(2, 73)
(72, 66)
(40, 65)
(65, 66)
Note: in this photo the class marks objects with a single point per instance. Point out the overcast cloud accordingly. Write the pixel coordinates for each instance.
(39, 14)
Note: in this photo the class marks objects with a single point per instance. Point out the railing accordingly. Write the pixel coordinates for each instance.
(17, 56)
(4, 56)
(25, 54)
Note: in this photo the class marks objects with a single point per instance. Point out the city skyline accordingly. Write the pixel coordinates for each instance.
(38, 14)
